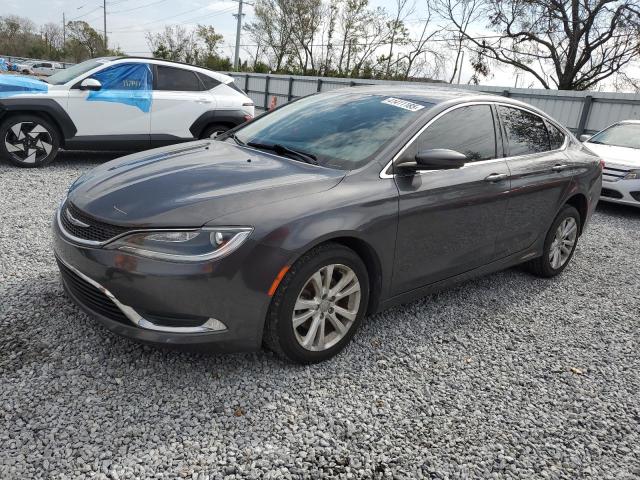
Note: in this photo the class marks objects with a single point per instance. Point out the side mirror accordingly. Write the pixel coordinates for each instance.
(584, 137)
(90, 84)
(436, 159)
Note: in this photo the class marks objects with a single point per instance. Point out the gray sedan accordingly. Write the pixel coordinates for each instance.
(289, 230)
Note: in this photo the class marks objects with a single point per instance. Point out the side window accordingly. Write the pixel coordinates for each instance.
(467, 130)
(125, 76)
(208, 81)
(526, 132)
(556, 136)
(177, 79)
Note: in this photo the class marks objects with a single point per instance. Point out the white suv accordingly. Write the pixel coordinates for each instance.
(115, 103)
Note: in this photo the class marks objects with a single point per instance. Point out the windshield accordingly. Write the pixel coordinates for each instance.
(341, 130)
(621, 135)
(63, 76)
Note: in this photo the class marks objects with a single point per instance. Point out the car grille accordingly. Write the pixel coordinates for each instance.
(607, 192)
(95, 232)
(613, 174)
(90, 296)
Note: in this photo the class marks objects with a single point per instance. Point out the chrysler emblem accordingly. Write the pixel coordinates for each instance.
(74, 220)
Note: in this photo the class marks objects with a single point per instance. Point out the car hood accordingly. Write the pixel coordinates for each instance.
(193, 183)
(621, 156)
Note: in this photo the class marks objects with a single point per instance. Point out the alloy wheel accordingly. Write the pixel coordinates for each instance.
(326, 307)
(563, 242)
(28, 142)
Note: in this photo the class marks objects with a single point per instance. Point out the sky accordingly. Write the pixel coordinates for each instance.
(128, 20)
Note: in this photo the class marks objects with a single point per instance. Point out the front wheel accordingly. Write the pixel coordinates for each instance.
(319, 305)
(28, 141)
(559, 245)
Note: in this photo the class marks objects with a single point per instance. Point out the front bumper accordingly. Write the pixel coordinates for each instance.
(626, 192)
(210, 306)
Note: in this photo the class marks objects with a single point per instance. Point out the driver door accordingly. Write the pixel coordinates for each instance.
(449, 219)
(119, 112)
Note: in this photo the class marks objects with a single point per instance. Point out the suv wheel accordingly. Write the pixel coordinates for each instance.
(214, 130)
(28, 141)
(559, 245)
(319, 305)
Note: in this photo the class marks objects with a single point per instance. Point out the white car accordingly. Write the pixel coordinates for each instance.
(619, 146)
(115, 103)
(45, 68)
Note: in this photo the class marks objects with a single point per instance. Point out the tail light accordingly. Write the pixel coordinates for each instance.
(601, 164)
(248, 118)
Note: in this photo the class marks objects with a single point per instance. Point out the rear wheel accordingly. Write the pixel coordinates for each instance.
(214, 130)
(28, 141)
(559, 245)
(319, 305)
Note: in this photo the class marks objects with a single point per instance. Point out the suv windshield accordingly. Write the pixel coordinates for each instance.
(63, 76)
(621, 135)
(340, 130)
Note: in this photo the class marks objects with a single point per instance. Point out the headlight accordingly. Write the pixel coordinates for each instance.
(632, 175)
(184, 245)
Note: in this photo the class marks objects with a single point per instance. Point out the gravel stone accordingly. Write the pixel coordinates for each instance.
(507, 376)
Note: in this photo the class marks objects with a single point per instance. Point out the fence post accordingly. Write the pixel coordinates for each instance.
(246, 82)
(319, 89)
(290, 91)
(266, 92)
(506, 93)
(352, 83)
(584, 115)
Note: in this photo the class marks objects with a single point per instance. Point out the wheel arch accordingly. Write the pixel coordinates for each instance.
(232, 118)
(580, 203)
(45, 108)
(368, 255)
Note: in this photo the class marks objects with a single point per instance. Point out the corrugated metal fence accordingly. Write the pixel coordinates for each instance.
(582, 112)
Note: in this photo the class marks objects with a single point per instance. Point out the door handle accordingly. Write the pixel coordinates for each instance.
(204, 100)
(559, 168)
(496, 177)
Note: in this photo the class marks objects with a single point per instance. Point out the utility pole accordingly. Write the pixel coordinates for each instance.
(104, 11)
(236, 61)
(64, 31)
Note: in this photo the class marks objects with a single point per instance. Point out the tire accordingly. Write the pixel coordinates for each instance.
(28, 141)
(547, 265)
(284, 339)
(216, 128)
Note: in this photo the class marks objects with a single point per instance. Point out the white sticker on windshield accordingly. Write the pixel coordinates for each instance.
(397, 102)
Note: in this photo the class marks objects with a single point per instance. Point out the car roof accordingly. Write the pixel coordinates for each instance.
(162, 61)
(637, 122)
(437, 94)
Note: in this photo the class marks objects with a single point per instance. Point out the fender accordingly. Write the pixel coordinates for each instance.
(233, 117)
(46, 105)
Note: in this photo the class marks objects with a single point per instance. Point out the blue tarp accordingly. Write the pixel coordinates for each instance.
(3, 65)
(11, 85)
(130, 84)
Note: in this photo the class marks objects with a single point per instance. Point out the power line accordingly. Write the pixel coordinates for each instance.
(139, 7)
(191, 10)
(183, 22)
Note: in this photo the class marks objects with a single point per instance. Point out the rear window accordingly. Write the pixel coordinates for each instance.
(621, 135)
(208, 81)
(235, 87)
(177, 79)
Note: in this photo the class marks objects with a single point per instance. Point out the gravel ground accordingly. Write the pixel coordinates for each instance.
(507, 376)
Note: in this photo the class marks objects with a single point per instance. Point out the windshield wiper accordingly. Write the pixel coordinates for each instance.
(282, 149)
(235, 139)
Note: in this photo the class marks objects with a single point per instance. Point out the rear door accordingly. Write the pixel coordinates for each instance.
(179, 98)
(540, 175)
(449, 219)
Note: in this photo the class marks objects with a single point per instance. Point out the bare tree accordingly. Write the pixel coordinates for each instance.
(465, 12)
(273, 28)
(582, 41)
(52, 37)
(398, 33)
(421, 47)
(175, 42)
